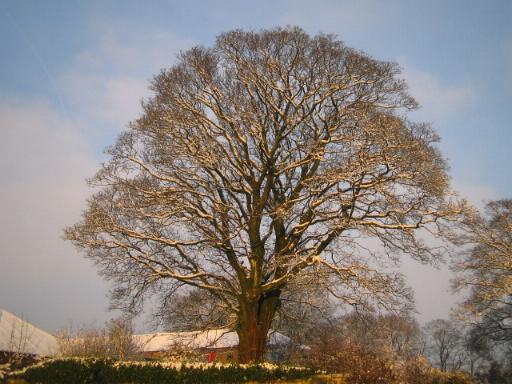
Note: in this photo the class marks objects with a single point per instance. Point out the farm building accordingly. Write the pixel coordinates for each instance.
(18, 337)
(215, 344)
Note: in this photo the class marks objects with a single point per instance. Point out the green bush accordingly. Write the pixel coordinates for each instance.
(96, 371)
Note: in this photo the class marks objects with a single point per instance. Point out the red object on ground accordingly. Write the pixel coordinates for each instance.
(211, 356)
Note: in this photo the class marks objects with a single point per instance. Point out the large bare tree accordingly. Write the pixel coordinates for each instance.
(261, 162)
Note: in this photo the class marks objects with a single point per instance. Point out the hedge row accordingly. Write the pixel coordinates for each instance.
(103, 371)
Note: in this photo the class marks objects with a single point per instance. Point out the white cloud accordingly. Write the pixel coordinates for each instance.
(437, 100)
(476, 195)
(34, 140)
(108, 82)
(111, 99)
(128, 49)
(45, 160)
(433, 286)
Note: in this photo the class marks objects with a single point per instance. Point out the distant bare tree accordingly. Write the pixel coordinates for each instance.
(193, 310)
(386, 332)
(261, 161)
(445, 343)
(402, 333)
(486, 269)
(478, 350)
(122, 344)
(304, 305)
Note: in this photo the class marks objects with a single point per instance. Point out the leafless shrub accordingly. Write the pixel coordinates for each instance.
(17, 354)
(114, 340)
(373, 349)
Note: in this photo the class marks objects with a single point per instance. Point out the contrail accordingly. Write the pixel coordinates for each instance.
(33, 50)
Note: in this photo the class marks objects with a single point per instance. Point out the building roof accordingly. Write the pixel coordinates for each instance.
(210, 339)
(19, 336)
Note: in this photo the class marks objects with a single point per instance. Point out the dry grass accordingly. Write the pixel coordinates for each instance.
(318, 379)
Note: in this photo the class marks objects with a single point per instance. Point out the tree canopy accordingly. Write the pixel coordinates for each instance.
(268, 159)
(485, 268)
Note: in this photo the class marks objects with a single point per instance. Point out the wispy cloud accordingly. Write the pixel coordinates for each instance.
(475, 194)
(45, 160)
(46, 157)
(114, 100)
(108, 81)
(437, 99)
(125, 48)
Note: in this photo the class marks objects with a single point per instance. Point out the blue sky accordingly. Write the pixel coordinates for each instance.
(72, 74)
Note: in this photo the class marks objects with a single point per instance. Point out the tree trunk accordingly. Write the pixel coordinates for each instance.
(254, 322)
